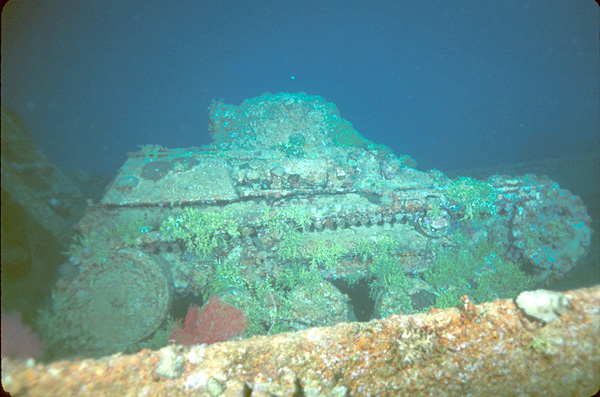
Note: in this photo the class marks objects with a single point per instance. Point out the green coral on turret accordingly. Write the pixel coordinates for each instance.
(294, 146)
(343, 133)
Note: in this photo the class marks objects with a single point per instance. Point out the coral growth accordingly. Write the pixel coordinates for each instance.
(217, 322)
(202, 231)
(473, 197)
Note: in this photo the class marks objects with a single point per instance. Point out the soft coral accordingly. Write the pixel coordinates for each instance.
(217, 322)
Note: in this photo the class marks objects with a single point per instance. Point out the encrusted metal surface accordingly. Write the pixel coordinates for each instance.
(289, 188)
(488, 349)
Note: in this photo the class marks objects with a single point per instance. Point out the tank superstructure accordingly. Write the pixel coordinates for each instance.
(288, 208)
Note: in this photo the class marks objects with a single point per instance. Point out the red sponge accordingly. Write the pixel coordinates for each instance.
(18, 340)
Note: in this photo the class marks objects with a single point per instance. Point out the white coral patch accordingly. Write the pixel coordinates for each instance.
(542, 304)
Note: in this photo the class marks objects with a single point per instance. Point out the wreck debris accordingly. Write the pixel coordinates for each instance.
(286, 205)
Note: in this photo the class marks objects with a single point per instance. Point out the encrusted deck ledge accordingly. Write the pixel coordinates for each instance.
(488, 349)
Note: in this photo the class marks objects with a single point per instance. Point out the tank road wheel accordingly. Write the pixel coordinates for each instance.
(120, 302)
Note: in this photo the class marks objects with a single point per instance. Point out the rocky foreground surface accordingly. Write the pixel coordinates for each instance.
(489, 349)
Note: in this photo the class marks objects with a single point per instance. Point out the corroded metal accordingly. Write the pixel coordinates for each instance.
(488, 349)
(288, 165)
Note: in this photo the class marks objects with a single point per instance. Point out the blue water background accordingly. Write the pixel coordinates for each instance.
(454, 84)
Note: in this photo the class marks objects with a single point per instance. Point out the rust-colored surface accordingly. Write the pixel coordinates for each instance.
(489, 349)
